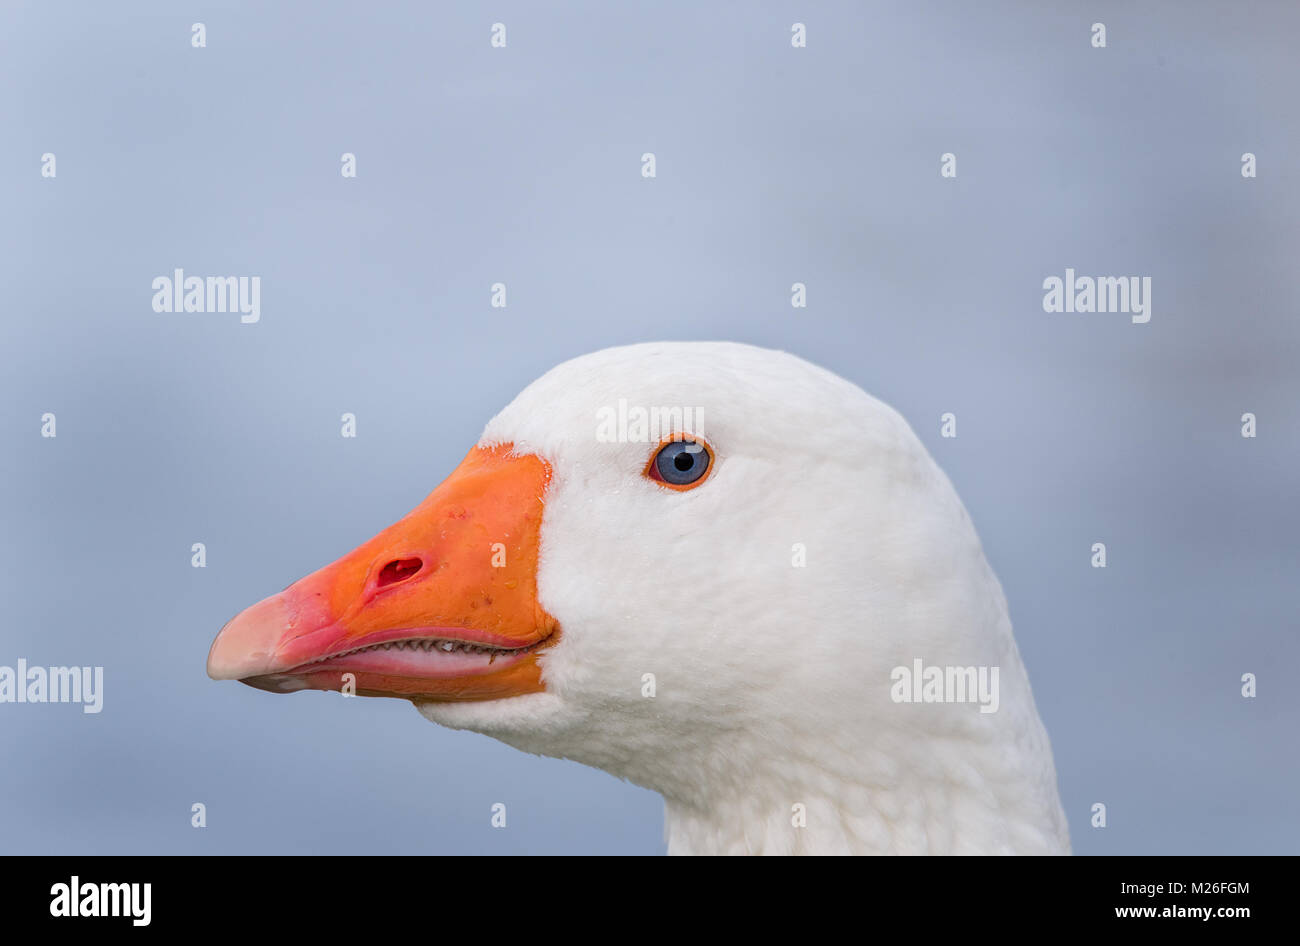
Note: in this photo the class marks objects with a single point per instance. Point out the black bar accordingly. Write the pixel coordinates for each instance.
(329, 895)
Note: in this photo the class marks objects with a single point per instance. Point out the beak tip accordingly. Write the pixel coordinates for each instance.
(246, 646)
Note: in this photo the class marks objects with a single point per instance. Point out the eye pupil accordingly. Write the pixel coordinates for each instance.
(681, 462)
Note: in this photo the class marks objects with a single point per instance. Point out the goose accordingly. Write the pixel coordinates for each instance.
(710, 569)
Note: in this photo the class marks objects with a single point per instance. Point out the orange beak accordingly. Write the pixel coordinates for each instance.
(441, 605)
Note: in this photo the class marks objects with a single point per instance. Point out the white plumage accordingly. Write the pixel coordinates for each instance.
(771, 681)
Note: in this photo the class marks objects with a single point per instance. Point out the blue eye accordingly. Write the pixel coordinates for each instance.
(681, 463)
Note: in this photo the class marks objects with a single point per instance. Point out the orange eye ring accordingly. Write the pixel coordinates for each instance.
(653, 470)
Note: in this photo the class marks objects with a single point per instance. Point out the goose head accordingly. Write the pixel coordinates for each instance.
(700, 567)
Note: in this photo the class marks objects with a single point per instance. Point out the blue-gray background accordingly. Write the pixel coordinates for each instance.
(522, 165)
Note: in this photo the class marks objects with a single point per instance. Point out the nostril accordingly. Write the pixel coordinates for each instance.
(398, 570)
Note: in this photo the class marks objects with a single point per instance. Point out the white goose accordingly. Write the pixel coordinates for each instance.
(722, 625)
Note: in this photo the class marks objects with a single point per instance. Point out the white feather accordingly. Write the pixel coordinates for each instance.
(772, 682)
